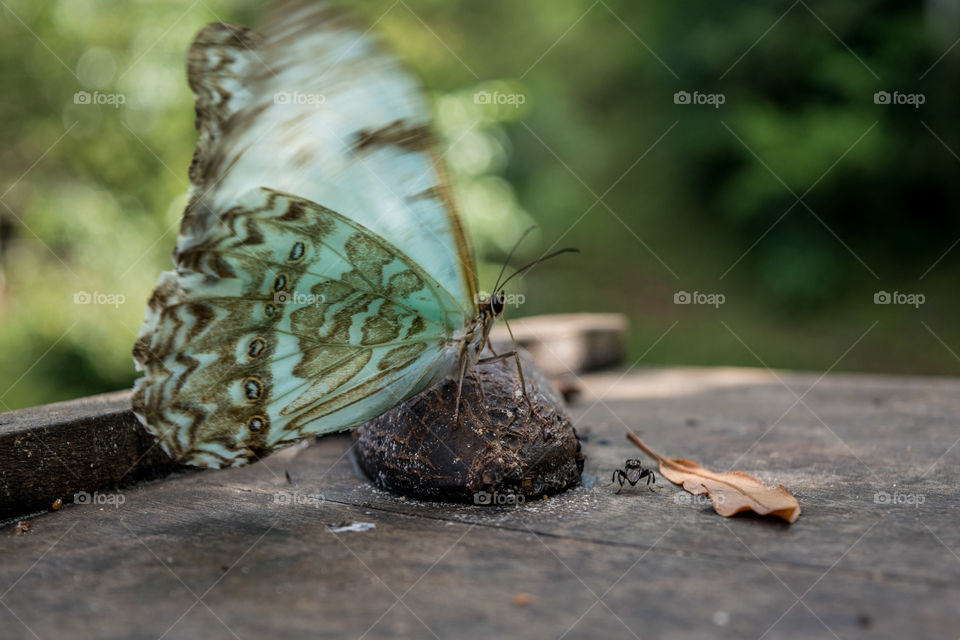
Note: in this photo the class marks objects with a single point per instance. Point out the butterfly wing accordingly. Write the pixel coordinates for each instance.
(316, 107)
(286, 318)
(289, 320)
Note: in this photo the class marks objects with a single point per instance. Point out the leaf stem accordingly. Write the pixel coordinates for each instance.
(635, 439)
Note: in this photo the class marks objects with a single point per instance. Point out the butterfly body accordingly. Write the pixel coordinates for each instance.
(322, 273)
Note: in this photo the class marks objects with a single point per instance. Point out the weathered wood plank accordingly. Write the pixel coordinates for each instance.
(58, 450)
(265, 551)
(563, 344)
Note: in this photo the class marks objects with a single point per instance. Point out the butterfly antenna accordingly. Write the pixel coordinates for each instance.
(510, 255)
(535, 263)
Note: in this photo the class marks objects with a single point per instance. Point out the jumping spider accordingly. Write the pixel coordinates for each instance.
(633, 472)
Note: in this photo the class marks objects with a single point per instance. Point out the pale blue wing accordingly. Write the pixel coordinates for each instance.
(379, 296)
(287, 320)
(315, 107)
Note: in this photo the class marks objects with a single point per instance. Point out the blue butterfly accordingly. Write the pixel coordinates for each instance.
(322, 273)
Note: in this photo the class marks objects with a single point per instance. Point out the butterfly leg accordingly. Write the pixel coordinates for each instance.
(464, 363)
(523, 387)
(478, 383)
(498, 358)
(523, 382)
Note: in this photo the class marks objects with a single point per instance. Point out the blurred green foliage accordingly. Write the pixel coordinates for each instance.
(797, 198)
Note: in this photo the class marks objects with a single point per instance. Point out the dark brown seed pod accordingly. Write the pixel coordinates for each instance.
(497, 449)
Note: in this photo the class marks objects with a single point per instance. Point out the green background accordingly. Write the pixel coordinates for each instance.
(797, 199)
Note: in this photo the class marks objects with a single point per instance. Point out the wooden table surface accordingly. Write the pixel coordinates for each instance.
(242, 553)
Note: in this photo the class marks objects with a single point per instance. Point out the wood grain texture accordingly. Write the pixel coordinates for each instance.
(58, 450)
(261, 553)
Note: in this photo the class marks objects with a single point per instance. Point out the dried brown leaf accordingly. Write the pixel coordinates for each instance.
(730, 492)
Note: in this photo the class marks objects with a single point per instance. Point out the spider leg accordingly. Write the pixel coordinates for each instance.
(645, 473)
(619, 475)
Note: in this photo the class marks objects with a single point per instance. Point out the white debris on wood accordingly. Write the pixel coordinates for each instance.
(353, 527)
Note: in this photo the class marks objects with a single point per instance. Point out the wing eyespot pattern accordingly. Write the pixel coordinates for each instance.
(297, 253)
(252, 389)
(256, 347)
(257, 423)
